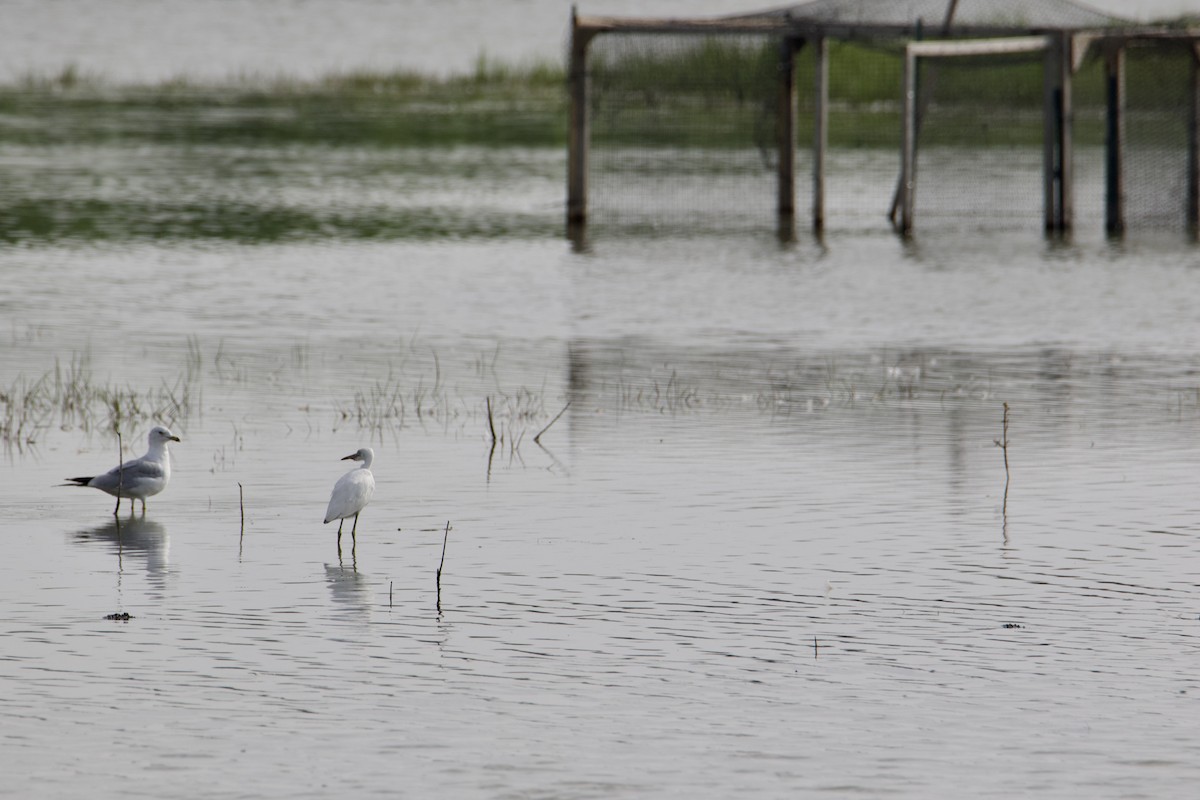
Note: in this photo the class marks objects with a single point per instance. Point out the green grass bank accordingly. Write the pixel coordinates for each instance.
(708, 94)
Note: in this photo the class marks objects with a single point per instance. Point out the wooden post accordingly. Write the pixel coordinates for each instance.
(578, 135)
(1114, 141)
(1050, 116)
(787, 132)
(1066, 136)
(1056, 132)
(1193, 156)
(908, 156)
(820, 130)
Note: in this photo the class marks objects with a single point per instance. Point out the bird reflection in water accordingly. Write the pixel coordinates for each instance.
(349, 588)
(134, 538)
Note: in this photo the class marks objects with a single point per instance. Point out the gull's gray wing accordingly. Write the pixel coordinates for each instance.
(129, 475)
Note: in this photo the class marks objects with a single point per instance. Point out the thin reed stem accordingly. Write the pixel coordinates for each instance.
(491, 426)
(556, 416)
(121, 476)
(445, 538)
(1002, 443)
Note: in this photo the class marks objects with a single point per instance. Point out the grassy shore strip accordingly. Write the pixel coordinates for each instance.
(707, 95)
(247, 223)
(494, 105)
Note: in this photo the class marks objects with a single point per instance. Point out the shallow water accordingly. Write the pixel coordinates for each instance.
(767, 548)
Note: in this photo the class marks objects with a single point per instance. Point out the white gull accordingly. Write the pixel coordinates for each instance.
(138, 478)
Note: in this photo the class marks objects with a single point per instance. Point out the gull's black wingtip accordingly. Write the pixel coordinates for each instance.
(78, 481)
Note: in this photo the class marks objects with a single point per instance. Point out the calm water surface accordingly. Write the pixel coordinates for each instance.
(767, 548)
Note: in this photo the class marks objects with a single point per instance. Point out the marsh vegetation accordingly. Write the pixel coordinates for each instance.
(70, 396)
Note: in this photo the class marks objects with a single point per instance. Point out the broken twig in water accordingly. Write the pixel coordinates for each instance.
(1002, 443)
(492, 430)
(121, 476)
(491, 427)
(445, 538)
(556, 416)
(242, 506)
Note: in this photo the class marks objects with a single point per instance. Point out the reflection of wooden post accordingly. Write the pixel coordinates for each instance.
(1114, 141)
(820, 130)
(1193, 156)
(787, 129)
(578, 135)
(908, 156)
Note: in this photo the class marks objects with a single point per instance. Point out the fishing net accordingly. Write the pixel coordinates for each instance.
(685, 127)
(683, 131)
(1157, 80)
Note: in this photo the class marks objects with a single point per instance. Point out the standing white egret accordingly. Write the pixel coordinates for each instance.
(352, 492)
(139, 478)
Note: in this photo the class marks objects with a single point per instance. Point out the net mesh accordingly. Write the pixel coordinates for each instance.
(979, 143)
(1157, 78)
(684, 135)
(683, 131)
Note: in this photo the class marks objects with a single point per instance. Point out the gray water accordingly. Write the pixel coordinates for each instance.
(770, 546)
(767, 548)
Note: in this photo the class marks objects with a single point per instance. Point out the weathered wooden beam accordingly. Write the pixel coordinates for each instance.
(908, 145)
(578, 135)
(1066, 136)
(1050, 113)
(786, 129)
(978, 47)
(820, 130)
(1057, 136)
(1114, 140)
(810, 29)
(1193, 148)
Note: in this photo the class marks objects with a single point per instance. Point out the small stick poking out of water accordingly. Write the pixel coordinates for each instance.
(242, 530)
(445, 538)
(492, 430)
(556, 416)
(121, 478)
(491, 426)
(1002, 443)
